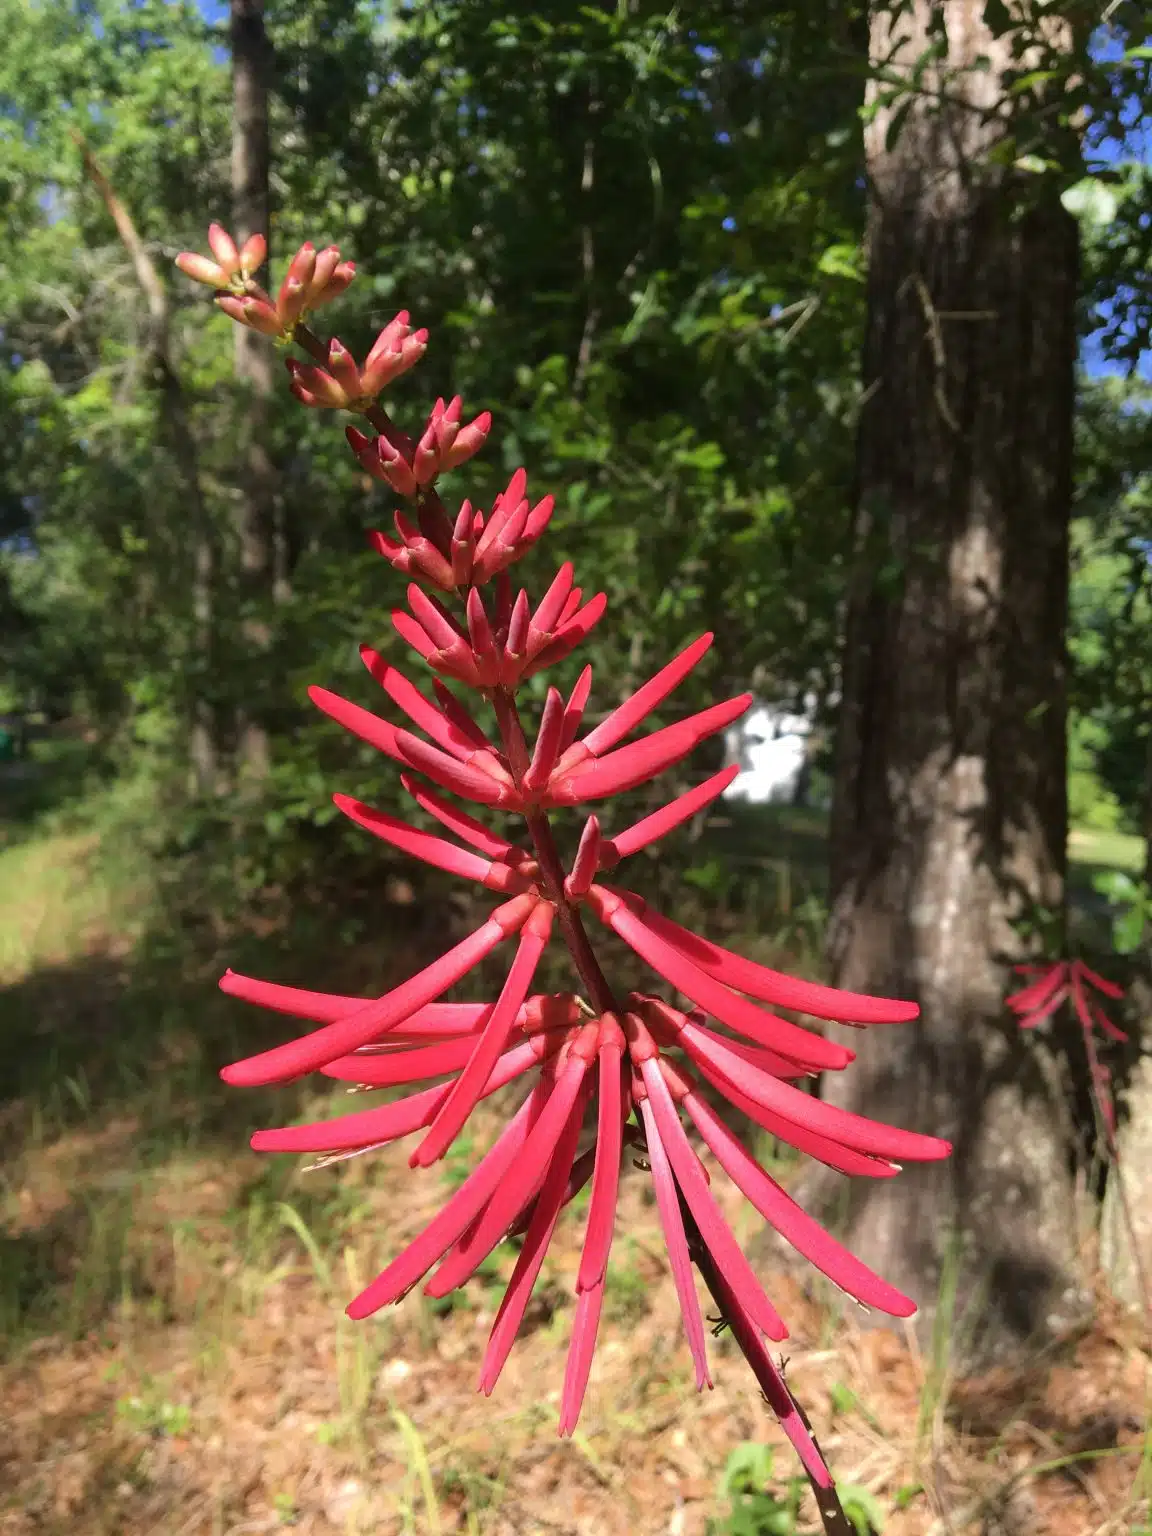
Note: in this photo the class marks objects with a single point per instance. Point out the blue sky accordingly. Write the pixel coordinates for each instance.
(1105, 152)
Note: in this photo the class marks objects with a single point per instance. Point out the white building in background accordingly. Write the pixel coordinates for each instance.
(770, 745)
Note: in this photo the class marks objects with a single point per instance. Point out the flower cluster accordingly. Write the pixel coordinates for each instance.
(1054, 982)
(1057, 980)
(641, 1071)
(313, 278)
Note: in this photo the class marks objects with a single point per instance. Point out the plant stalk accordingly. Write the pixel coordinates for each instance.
(772, 1386)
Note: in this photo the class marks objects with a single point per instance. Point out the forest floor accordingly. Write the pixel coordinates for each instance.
(175, 1355)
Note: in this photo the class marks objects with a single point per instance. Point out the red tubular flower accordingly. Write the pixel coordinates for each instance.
(1056, 980)
(630, 1064)
(1053, 983)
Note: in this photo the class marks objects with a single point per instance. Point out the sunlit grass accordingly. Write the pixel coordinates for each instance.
(1106, 850)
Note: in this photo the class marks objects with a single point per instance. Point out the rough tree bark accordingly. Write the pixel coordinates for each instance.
(255, 374)
(1121, 1265)
(175, 416)
(950, 814)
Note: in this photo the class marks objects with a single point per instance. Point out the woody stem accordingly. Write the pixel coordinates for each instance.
(772, 1387)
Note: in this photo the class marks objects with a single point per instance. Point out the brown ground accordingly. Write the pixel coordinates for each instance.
(178, 1362)
(224, 1392)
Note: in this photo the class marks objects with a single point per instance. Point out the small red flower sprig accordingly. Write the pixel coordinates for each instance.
(633, 1065)
(1053, 983)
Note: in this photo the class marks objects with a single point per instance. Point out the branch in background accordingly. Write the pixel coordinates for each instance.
(259, 517)
(204, 751)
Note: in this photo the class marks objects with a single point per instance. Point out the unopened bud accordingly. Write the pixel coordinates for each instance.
(396, 468)
(254, 313)
(335, 285)
(314, 387)
(342, 367)
(325, 264)
(223, 247)
(201, 269)
(253, 254)
(469, 441)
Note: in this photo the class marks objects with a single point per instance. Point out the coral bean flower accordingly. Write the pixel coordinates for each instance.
(598, 1067)
(1053, 983)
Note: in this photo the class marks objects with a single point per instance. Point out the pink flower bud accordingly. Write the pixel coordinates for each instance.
(438, 437)
(253, 313)
(253, 254)
(394, 351)
(469, 441)
(395, 468)
(223, 247)
(314, 387)
(302, 267)
(444, 444)
(290, 301)
(326, 263)
(342, 367)
(364, 448)
(202, 270)
(335, 286)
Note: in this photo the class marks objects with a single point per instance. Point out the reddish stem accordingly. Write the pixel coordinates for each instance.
(548, 857)
(514, 742)
(1104, 1117)
(831, 1511)
(311, 343)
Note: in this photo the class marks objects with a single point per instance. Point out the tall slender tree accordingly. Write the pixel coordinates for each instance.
(255, 370)
(950, 813)
(176, 423)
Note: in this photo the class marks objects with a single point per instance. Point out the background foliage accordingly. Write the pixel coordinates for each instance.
(635, 237)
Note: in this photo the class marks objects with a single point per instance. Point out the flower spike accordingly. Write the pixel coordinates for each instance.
(631, 1065)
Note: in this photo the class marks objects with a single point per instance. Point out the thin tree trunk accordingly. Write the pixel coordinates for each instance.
(1135, 1134)
(255, 374)
(950, 814)
(1146, 820)
(203, 744)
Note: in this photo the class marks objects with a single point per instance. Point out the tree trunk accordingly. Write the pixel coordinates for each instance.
(1146, 821)
(1126, 1251)
(950, 815)
(255, 374)
(175, 417)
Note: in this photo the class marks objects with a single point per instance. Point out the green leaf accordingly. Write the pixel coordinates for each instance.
(841, 261)
(863, 1509)
(748, 1467)
(1031, 80)
(1128, 930)
(1091, 201)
